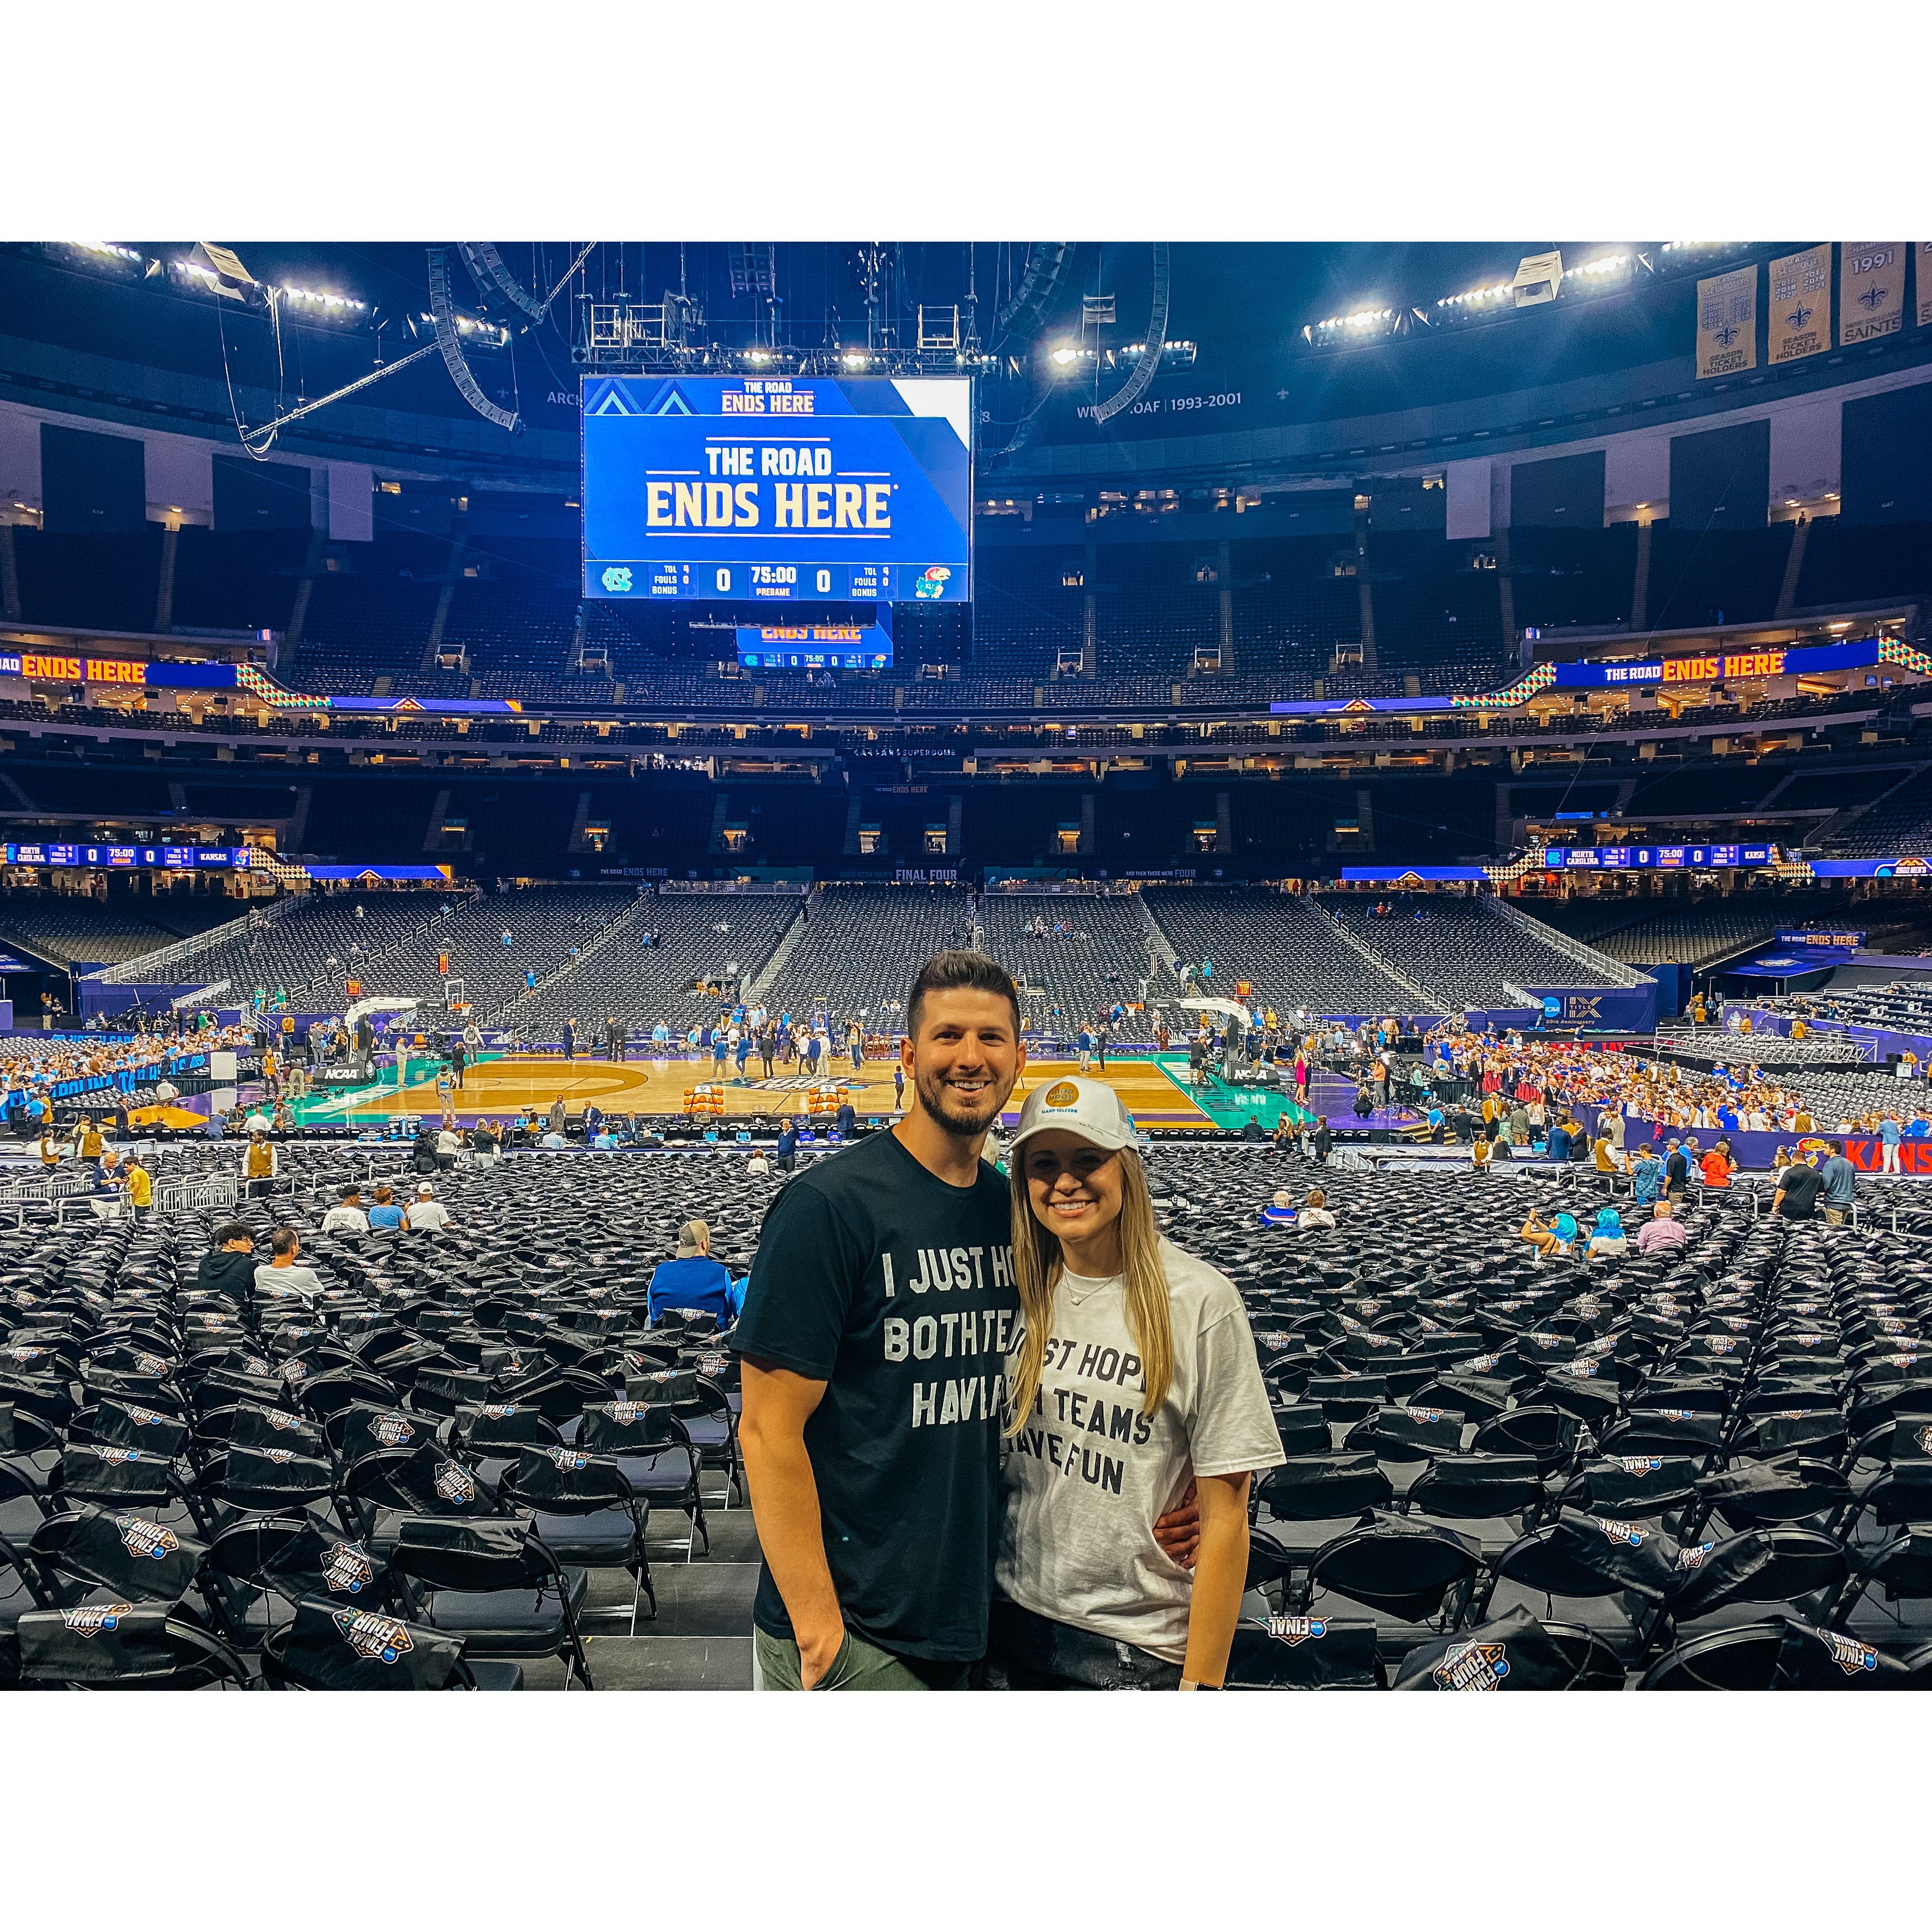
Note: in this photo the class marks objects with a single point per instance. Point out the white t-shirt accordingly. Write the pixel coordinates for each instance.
(1083, 1480)
(429, 1215)
(344, 1217)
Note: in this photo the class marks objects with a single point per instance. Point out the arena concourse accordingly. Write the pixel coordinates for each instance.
(453, 874)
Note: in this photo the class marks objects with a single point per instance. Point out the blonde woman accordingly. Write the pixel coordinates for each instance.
(1133, 1374)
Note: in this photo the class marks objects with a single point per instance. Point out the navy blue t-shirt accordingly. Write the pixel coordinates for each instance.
(895, 1289)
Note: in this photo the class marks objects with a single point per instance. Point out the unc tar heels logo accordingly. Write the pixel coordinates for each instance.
(617, 577)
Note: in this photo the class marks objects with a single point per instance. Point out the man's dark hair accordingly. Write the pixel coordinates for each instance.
(234, 1230)
(954, 972)
(284, 1241)
(352, 1191)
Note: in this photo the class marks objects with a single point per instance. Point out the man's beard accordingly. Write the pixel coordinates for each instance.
(934, 1095)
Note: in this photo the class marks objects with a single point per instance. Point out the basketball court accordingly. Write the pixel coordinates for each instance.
(1154, 1092)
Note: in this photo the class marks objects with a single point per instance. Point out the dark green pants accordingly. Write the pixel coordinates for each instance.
(858, 1666)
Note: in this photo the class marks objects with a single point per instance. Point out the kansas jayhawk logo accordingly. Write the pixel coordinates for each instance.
(368, 1635)
(1473, 1666)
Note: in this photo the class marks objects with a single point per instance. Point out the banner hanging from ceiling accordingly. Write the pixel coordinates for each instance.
(1800, 305)
(1727, 322)
(1871, 290)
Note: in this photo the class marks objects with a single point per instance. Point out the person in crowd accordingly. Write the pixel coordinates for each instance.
(1890, 1137)
(1717, 1166)
(759, 1166)
(284, 1273)
(559, 1113)
(228, 1268)
(387, 1215)
(1481, 1153)
(262, 1163)
(1840, 1181)
(346, 1216)
(426, 1215)
(840, 1430)
(1608, 1241)
(785, 1153)
(1676, 1168)
(1603, 1154)
(140, 1185)
(1552, 1241)
(1086, 1597)
(1281, 1211)
(845, 1122)
(569, 1039)
(1558, 1148)
(1663, 1232)
(1316, 1212)
(1795, 1197)
(1646, 1173)
(693, 1279)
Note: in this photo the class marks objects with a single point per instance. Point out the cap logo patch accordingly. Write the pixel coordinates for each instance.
(1062, 1094)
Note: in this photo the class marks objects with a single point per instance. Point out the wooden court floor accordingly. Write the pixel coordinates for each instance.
(499, 1087)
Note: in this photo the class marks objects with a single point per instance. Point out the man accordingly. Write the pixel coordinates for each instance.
(785, 1155)
(1889, 1136)
(554, 1121)
(1321, 1142)
(228, 1268)
(459, 1058)
(1559, 1146)
(140, 1189)
(874, 1339)
(426, 1215)
(845, 1122)
(1663, 1231)
(1676, 1168)
(570, 1039)
(617, 1038)
(283, 1275)
(1840, 1181)
(263, 1161)
(1799, 1188)
(166, 1092)
(346, 1216)
(1646, 1176)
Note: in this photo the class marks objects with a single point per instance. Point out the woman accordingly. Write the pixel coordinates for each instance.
(1553, 1242)
(1152, 1348)
(1718, 1165)
(1607, 1239)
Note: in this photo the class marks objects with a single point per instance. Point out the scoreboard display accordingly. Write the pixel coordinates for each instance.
(776, 489)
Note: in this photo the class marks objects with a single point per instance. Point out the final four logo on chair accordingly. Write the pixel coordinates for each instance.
(1692, 1556)
(347, 1568)
(140, 1537)
(1297, 1630)
(1641, 1466)
(1062, 1094)
(1473, 1666)
(1848, 1654)
(568, 1459)
(1624, 1532)
(90, 1619)
(455, 1484)
(381, 1638)
(393, 1431)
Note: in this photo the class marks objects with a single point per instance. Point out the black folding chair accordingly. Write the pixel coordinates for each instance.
(124, 1647)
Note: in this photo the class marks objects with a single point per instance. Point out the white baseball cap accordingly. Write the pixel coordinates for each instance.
(1089, 1109)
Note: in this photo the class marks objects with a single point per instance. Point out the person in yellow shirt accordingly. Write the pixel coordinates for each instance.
(140, 1189)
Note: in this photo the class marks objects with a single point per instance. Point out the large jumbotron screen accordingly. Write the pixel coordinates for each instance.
(779, 489)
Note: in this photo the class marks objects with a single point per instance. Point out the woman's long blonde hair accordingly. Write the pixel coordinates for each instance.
(1037, 1263)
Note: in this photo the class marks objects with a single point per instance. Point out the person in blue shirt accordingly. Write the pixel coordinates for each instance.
(694, 1279)
(1559, 1142)
(1888, 1139)
(785, 1155)
(1646, 1177)
(385, 1213)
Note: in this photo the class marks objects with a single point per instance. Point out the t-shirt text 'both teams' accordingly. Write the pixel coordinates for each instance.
(961, 1333)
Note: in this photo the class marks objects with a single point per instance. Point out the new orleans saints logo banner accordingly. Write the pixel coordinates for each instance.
(1727, 322)
(1871, 290)
(1800, 305)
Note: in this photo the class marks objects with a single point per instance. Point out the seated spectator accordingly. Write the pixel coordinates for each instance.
(1795, 1197)
(1663, 1231)
(346, 1216)
(228, 1268)
(1608, 1241)
(284, 1275)
(1315, 1213)
(1553, 1241)
(759, 1167)
(426, 1215)
(386, 1213)
(1482, 1154)
(1718, 1166)
(1281, 1211)
(693, 1279)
